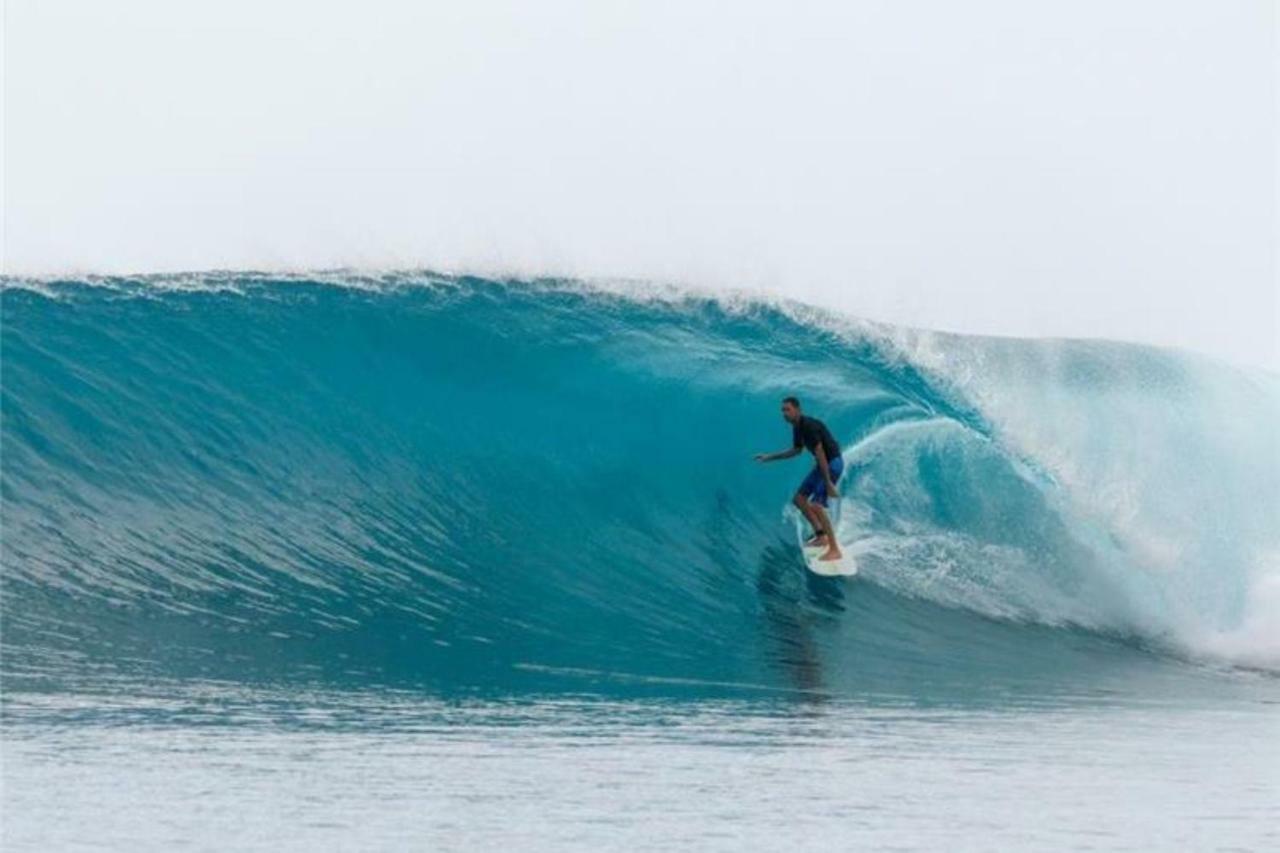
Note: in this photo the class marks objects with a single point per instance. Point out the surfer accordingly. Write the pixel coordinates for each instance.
(811, 499)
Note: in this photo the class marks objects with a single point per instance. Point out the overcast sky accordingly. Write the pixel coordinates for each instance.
(1046, 168)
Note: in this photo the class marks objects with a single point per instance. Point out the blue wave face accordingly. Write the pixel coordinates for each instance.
(471, 484)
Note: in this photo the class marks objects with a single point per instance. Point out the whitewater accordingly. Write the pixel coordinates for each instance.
(347, 504)
(474, 462)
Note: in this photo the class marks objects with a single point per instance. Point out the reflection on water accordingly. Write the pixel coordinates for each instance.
(224, 766)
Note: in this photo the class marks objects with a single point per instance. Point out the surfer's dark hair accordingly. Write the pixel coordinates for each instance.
(795, 401)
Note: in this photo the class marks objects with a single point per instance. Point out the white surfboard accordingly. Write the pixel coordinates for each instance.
(844, 567)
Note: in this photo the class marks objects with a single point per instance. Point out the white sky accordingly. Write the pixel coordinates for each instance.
(1048, 168)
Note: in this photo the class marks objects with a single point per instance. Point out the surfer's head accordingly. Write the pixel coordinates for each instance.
(791, 409)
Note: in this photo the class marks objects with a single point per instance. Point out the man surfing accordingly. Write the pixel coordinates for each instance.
(811, 499)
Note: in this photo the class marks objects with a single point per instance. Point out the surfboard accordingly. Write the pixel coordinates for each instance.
(845, 567)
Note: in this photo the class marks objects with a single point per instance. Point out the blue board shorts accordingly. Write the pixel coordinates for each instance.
(814, 486)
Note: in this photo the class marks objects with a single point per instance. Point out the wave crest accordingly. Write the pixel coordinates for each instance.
(467, 480)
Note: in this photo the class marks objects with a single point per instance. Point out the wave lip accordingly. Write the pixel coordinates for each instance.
(465, 480)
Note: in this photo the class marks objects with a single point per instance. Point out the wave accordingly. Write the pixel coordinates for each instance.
(474, 482)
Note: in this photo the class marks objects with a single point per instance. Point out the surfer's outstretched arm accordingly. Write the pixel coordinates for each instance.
(781, 454)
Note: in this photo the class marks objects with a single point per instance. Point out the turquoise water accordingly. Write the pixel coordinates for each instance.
(412, 560)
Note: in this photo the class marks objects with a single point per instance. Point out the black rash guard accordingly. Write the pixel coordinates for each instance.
(810, 432)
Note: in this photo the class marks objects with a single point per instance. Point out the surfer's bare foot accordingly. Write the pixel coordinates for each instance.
(832, 555)
(816, 541)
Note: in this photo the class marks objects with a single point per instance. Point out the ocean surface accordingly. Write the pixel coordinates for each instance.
(415, 561)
